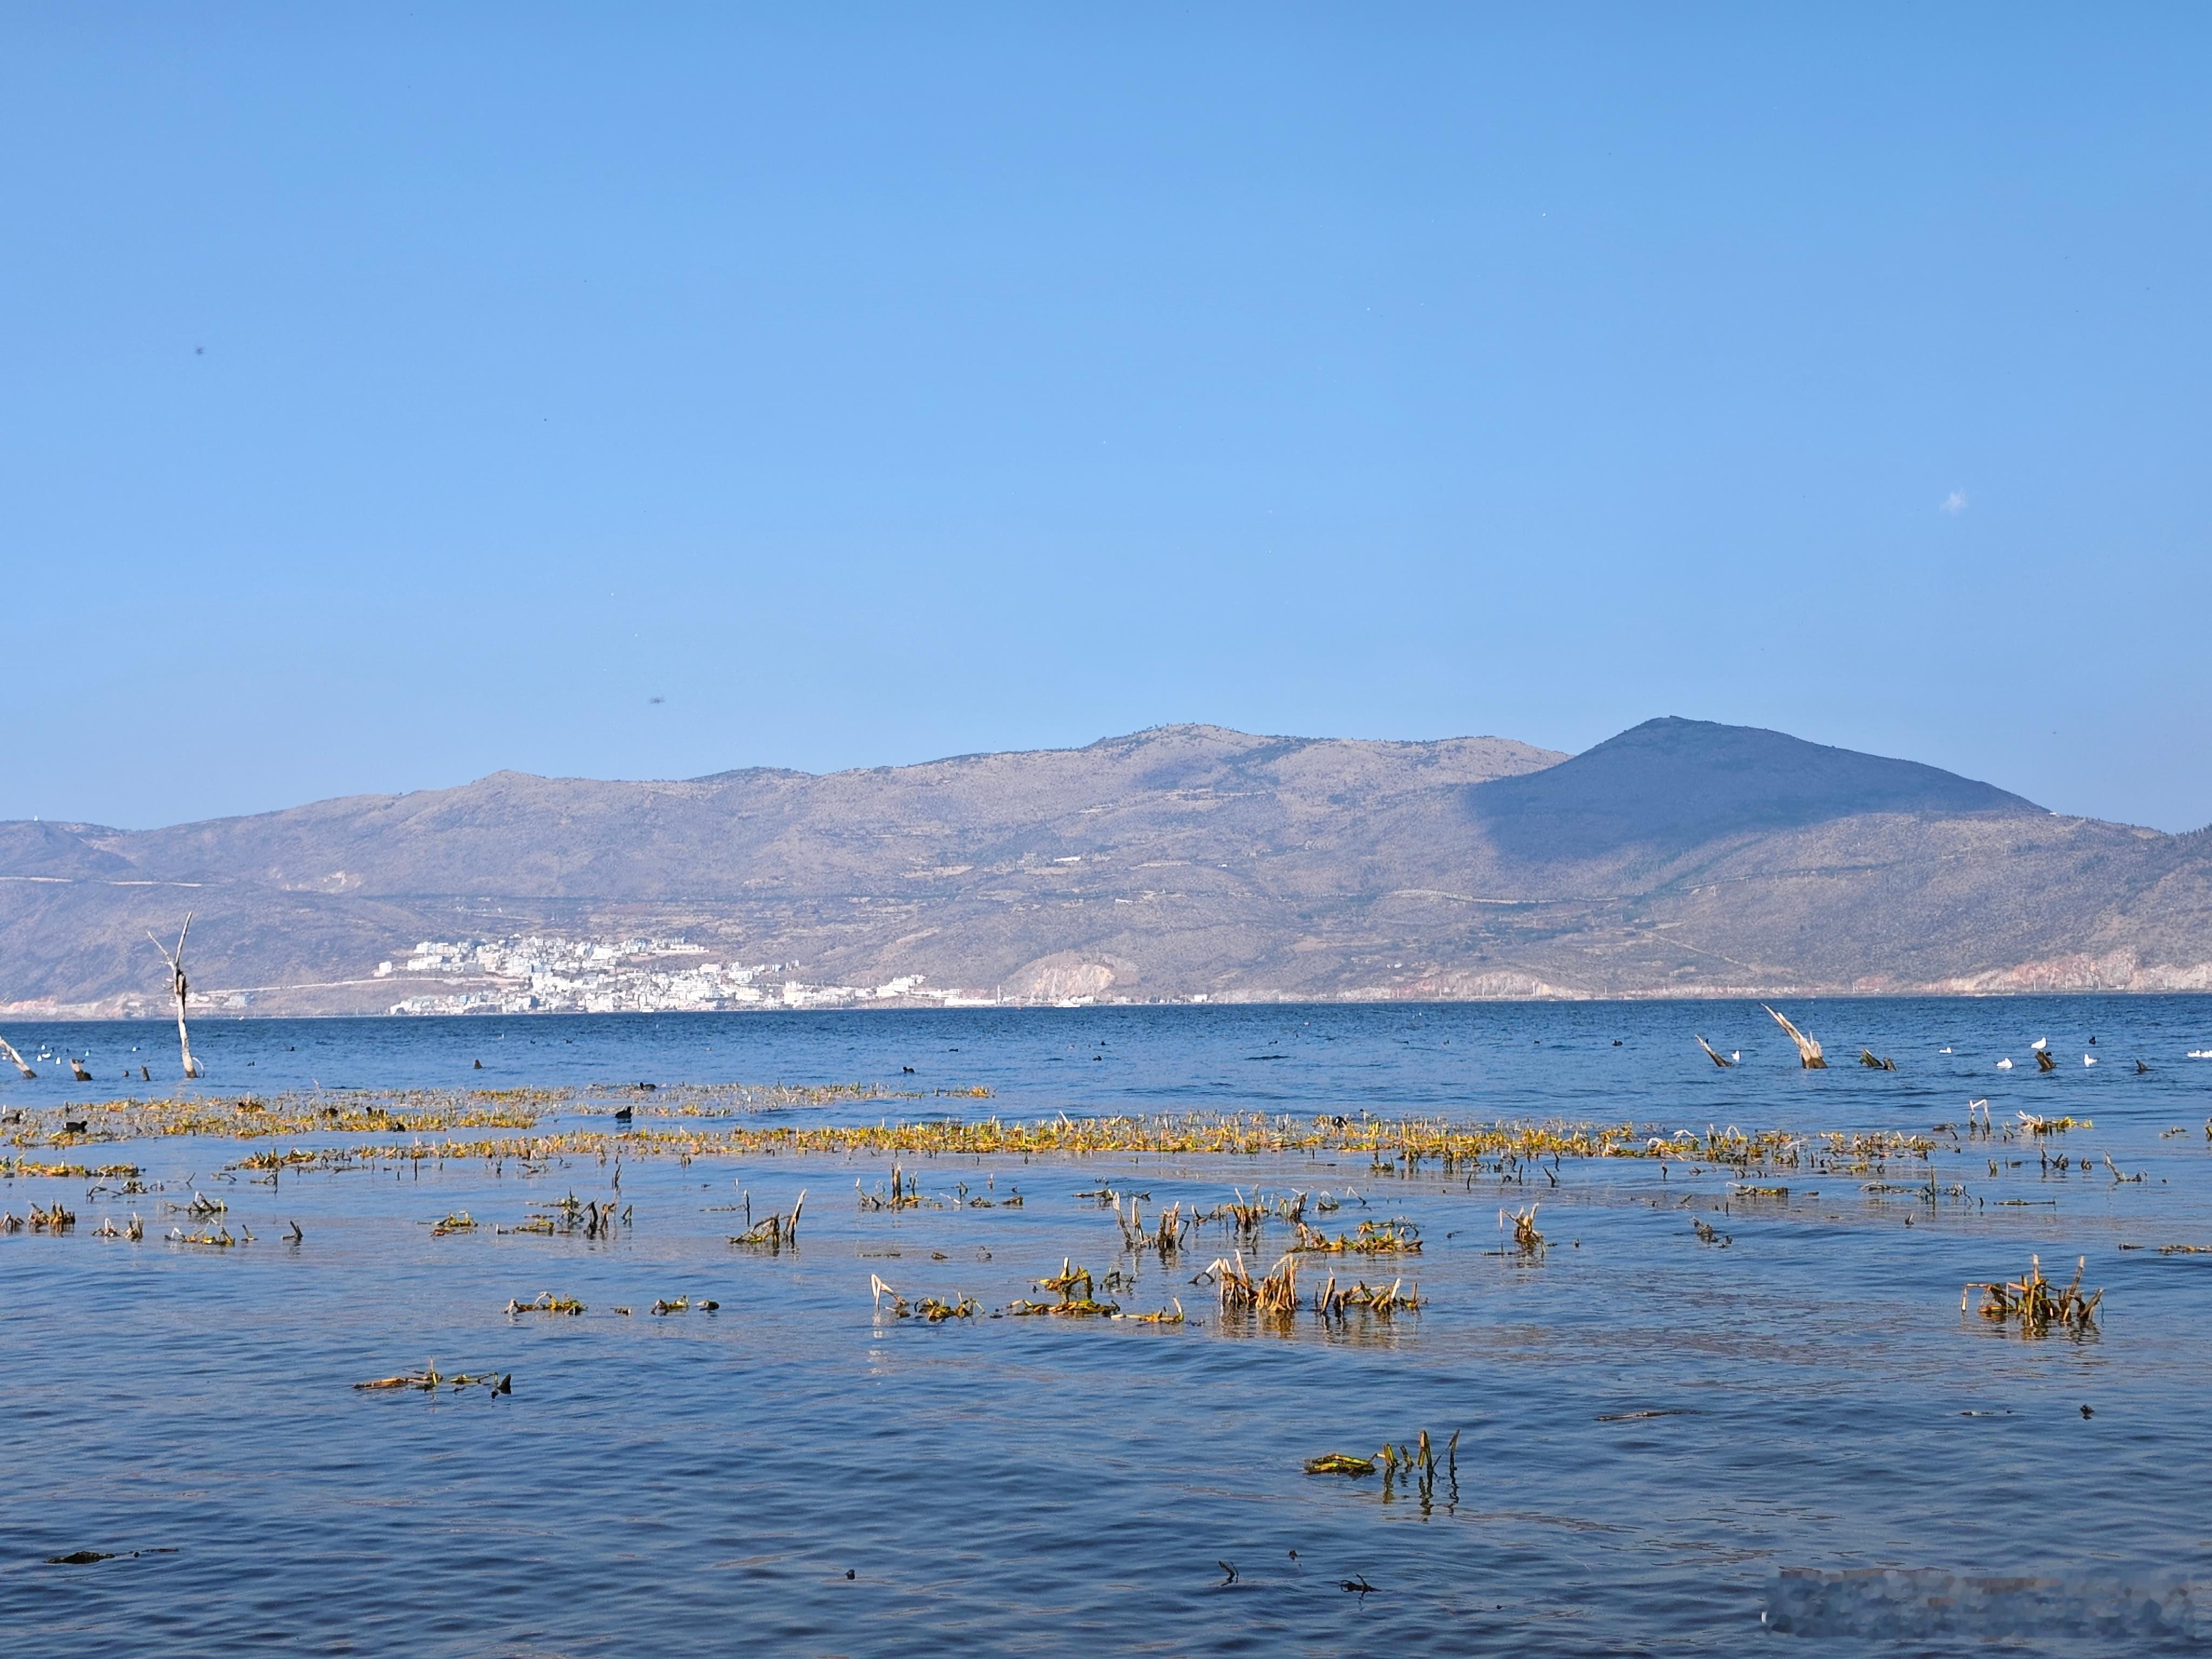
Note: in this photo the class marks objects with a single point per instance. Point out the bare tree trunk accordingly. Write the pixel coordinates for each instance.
(5, 1048)
(181, 988)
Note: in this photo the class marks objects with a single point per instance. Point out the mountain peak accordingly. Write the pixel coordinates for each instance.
(1672, 783)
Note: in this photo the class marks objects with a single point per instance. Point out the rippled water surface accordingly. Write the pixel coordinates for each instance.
(1794, 1440)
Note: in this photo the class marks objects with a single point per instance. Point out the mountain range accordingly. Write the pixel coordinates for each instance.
(1679, 857)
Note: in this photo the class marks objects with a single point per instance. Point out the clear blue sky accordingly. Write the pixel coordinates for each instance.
(391, 397)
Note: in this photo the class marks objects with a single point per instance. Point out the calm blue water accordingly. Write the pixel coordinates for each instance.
(708, 1481)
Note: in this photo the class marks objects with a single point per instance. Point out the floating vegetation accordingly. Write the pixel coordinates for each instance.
(1163, 1316)
(1779, 1194)
(2173, 1249)
(2031, 1124)
(429, 1381)
(1709, 1234)
(1526, 1239)
(461, 1222)
(1077, 1299)
(54, 1218)
(547, 1303)
(683, 1304)
(1414, 1466)
(775, 1232)
(107, 1229)
(254, 1117)
(1340, 1463)
(1411, 1143)
(1373, 1238)
(13, 1168)
(220, 1239)
(932, 1309)
(2031, 1300)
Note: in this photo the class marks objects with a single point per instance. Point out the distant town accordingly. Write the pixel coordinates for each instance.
(540, 972)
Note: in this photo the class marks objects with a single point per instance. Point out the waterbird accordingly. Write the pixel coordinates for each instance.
(2088, 1060)
(2140, 1068)
(2004, 1065)
(2040, 1044)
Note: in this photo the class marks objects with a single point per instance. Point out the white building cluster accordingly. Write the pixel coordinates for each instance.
(547, 974)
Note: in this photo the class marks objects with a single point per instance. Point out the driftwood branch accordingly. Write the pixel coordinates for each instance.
(1718, 1058)
(16, 1059)
(1808, 1052)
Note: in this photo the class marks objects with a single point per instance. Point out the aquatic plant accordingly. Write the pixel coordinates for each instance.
(1526, 1238)
(1275, 1296)
(2030, 1303)
(1330, 1303)
(1340, 1463)
(775, 1233)
(1165, 1239)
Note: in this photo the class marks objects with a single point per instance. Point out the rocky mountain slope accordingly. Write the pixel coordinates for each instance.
(1679, 858)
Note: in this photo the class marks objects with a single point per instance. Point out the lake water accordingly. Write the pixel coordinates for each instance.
(1795, 1441)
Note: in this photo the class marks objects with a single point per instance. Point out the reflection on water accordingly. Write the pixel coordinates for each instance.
(1663, 1439)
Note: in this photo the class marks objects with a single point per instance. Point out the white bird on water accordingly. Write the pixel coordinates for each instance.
(2088, 1060)
(2004, 1065)
(2040, 1044)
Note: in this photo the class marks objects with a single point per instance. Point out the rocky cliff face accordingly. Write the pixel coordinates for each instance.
(1680, 857)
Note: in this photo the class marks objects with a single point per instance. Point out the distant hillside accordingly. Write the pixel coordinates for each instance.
(1680, 857)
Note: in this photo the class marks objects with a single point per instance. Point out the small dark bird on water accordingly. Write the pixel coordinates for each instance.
(480, 1065)
(622, 1114)
(2140, 1068)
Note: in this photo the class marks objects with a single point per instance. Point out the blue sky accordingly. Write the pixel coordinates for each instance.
(390, 398)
